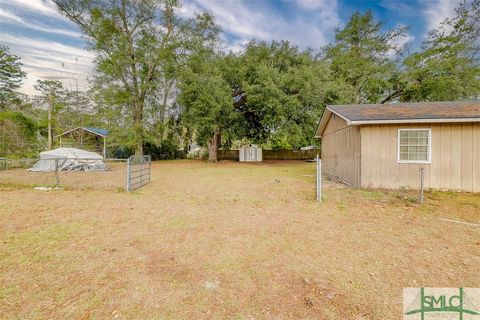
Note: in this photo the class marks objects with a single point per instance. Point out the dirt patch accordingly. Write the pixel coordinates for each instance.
(228, 240)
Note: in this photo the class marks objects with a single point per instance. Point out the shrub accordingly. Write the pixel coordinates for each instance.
(18, 135)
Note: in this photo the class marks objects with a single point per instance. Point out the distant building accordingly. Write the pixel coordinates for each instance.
(85, 138)
(250, 153)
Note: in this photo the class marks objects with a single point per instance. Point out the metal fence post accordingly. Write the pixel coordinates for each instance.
(57, 178)
(319, 179)
(422, 177)
(128, 175)
(149, 168)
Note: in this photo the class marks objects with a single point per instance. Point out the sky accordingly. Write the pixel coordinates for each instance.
(51, 47)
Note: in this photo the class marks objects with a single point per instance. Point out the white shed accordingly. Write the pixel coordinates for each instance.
(250, 152)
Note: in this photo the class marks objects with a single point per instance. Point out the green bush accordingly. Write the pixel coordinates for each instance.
(167, 150)
(18, 135)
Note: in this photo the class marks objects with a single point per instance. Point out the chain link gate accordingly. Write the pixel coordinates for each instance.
(138, 171)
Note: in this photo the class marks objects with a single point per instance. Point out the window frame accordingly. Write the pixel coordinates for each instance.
(429, 146)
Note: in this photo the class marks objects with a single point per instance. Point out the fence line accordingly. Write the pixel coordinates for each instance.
(344, 173)
(272, 154)
(319, 179)
(80, 173)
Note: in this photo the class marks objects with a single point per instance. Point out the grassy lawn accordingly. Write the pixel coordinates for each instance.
(228, 240)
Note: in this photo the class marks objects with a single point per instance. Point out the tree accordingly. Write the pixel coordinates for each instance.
(130, 39)
(137, 43)
(448, 66)
(53, 95)
(11, 76)
(77, 109)
(280, 92)
(362, 57)
(17, 134)
(207, 101)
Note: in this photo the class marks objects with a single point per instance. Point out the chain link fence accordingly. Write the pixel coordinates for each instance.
(405, 183)
(101, 174)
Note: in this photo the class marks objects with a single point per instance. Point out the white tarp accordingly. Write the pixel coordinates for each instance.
(69, 159)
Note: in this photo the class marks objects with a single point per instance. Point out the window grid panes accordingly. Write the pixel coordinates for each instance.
(414, 145)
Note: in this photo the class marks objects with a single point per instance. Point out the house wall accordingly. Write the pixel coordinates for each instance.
(455, 157)
(341, 151)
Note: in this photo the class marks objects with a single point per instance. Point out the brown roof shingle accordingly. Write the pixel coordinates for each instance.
(408, 111)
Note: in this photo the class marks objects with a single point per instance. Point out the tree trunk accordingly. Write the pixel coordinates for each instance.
(162, 109)
(50, 138)
(138, 127)
(213, 143)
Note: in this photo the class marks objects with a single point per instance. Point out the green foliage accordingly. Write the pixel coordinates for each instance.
(130, 39)
(448, 66)
(206, 98)
(17, 135)
(167, 150)
(137, 44)
(53, 95)
(362, 57)
(162, 81)
(11, 76)
(280, 92)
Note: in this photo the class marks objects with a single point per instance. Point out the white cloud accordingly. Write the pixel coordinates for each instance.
(39, 7)
(46, 59)
(12, 18)
(402, 43)
(309, 26)
(313, 4)
(307, 23)
(436, 11)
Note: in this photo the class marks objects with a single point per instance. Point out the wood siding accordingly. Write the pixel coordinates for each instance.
(341, 151)
(455, 157)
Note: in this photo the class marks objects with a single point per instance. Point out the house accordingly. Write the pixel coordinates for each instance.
(85, 138)
(387, 145)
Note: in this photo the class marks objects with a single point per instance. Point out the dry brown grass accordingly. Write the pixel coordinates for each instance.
(112, 179)
(228, 240)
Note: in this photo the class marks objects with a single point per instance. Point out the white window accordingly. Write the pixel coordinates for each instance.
(414, 145)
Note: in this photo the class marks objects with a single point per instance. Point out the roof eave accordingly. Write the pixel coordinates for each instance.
(71, 130)
(327, 113)
(400, 121)
(323, 122)
(96, 133)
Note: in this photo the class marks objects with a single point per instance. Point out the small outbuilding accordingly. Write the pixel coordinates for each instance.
(85, 138)
(250, 153)
(384, 145)
(69, 159)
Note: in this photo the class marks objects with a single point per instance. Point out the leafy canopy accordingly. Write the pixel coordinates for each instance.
(11, 76)
(361, 56)
(280, 92)
(448, 66)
